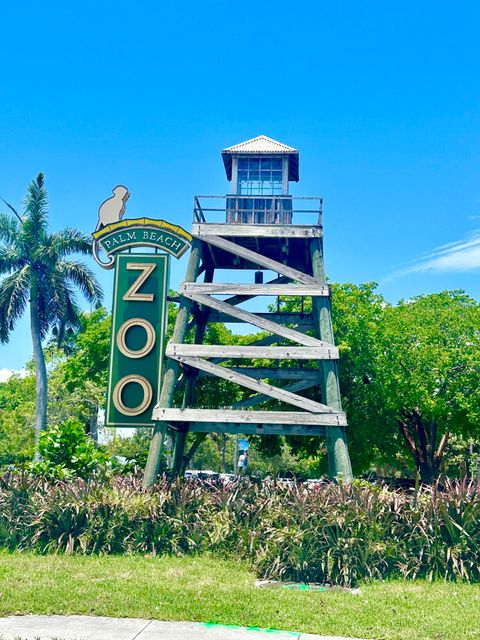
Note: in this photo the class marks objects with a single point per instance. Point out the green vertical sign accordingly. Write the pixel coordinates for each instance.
(138, 335)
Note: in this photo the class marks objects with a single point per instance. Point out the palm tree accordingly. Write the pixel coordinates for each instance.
(37, 273)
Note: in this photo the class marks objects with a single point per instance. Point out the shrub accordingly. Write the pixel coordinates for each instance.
(67, 451)
(336, 533)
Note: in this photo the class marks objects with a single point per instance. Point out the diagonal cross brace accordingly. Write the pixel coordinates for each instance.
(257, 321)
(260, 260)
(258, 398)
(256, 385)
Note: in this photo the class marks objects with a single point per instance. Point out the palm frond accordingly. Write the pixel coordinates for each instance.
(10, 260)
(52, 292)
(69, 318)
(68, 241)
(14, 293)
(36, 218)
(36, 198)
(45, 310)
(9, 229)
(83, 278)
(13, 210)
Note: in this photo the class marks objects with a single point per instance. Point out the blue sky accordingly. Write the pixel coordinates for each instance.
(381, 99)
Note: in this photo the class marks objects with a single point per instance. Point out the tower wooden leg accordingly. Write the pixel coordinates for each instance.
(181, 437)
(339, 465)
(189, 393)
(171, 372)
(338, 457)
(179, 451)
(155, 454)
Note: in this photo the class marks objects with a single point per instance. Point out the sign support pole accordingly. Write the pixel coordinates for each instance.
(170, 378)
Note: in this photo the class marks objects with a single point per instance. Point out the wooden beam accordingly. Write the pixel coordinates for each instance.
(205, 230)
(257, 429)
(240, 299)
(260, 260)
(265, 341)
(257, 321)
(255, 289)
(276, 393)
(274, 373)
(301, 320)
(174, 350)
(190, 326)
(248, 417)
(280, 373)
(258, 398)
(262, 342)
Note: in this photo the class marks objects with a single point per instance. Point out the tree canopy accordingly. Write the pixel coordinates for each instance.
(17, 419)
(427, 367)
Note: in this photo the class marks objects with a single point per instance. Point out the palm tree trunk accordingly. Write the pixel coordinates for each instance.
(40, 371)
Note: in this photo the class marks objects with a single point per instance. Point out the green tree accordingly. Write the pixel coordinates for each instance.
(426, 375)
(84, 373)
(357, 314)
(17, 419)
(37, 273)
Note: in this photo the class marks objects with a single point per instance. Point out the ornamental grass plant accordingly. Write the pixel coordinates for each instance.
(337, 534)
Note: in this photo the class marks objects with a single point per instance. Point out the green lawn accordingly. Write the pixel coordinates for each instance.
(206, 589)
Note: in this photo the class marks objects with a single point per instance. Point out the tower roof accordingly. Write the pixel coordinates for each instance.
(262, 145)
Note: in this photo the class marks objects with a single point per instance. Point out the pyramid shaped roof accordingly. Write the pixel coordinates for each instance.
(261, 145)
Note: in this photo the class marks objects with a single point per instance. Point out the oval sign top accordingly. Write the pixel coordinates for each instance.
(139, 232)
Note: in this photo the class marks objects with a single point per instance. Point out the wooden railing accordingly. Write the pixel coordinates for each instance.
(265, 209)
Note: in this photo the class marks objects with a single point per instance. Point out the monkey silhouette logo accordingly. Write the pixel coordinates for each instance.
(113, 209)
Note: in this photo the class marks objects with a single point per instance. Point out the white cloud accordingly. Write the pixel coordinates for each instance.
(5, 374)
(459, 256)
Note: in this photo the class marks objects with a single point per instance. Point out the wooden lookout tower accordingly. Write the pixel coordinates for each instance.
(254, 246)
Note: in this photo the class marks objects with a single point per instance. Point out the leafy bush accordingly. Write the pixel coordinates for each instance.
(334, 533)
(67, 451)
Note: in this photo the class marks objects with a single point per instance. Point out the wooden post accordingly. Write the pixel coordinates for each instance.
(337, 449)
(235, 457)
(178, 451)
(170, 376)
(189, 392)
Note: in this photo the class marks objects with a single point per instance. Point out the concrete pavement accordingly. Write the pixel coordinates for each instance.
(100, 628)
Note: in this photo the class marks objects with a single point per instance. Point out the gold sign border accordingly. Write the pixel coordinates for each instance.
(130, 222)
